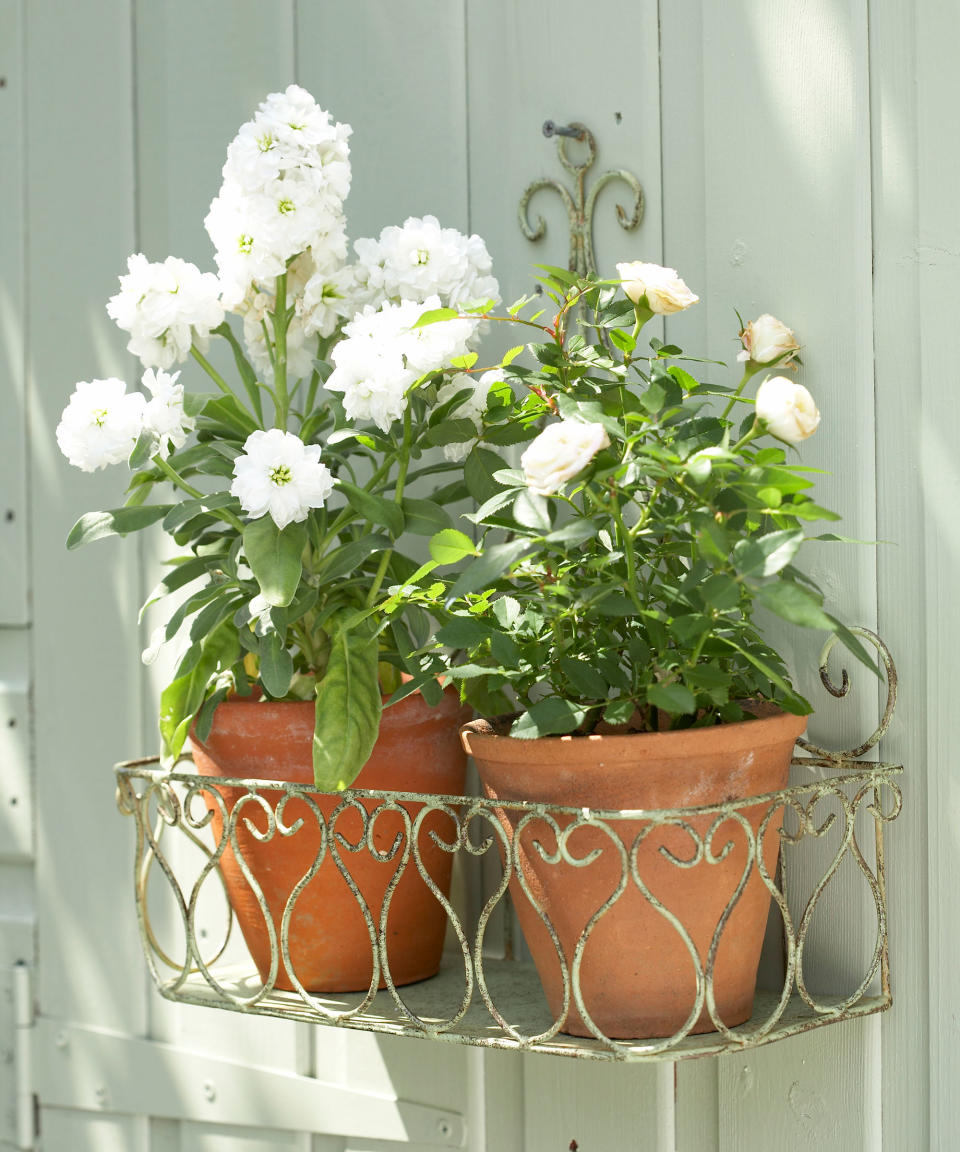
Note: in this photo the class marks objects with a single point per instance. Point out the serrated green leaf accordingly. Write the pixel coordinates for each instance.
(674, 699)
(436, 316)
(451, 546)
(489, 567)
(511, 354)
(550, 717)
(478, 472)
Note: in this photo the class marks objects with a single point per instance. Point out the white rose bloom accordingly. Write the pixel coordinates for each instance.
(281, 476)
(164, 415)
(700, 464)
(663, 288)
(165, 308)
(472, 408)
(767, 339)
(560, 452)
(101, 424)
(787, 409)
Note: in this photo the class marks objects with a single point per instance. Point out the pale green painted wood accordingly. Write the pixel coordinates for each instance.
(610, 1108)
(938, 267)
(395, 73)
(537, 61)
(84, 1132)
(907, 1068)
(79, 229)
(14, 512)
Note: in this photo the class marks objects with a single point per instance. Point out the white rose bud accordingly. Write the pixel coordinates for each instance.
(767, 339)
(787, 409)
(560, 452)
(663, 288)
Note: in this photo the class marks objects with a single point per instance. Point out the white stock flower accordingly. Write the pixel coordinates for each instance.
(560, 452)
(101, 424)
(164, 415)
(663, 288)
(471, 408)
(165, 308)
(767, 339)
(284, 182)
(422, 259)
(281, 476)
(382, 354)
(787, 409)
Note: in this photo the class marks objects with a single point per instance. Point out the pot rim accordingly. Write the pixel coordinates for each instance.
(769, 725)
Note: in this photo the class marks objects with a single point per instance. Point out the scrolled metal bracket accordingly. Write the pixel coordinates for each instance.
(580, 206)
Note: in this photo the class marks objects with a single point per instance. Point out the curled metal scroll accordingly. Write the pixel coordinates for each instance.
(522, 836)
(890, 675)
(580, 206)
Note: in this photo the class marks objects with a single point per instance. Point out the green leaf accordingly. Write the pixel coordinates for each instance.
(181, 699)
(374, 508)
(348, 708)
(795, 604)
(435, 316)
(142, 449)
(228, 411)
(511, 354)
(584, 678)
(348, 557)
(463, 632)
(552, 716)
(766, 555)
(424, 517)
(450, 546)
(274, 555)
(115, 522)
(674, 699)
(185, 573)
(465, 363)
(276, 665)
(451, 432)
(489, 567)
(478, 470)
(532, 510)
(619, 711)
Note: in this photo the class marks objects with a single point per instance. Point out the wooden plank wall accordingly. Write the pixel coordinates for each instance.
(793, 160)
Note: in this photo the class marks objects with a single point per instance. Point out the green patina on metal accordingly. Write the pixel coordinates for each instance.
(483, 999)
(580, 206)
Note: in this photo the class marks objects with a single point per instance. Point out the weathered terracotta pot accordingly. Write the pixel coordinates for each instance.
(637, 975)
(417, 750)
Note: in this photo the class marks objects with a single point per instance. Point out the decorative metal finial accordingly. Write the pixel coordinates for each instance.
(579, 210)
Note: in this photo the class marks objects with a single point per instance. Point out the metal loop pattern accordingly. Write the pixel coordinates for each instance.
(479, 998)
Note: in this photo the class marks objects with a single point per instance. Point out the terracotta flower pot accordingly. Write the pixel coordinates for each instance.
(637, 975)
(417, 750)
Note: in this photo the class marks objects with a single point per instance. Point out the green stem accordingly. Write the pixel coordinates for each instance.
(211, 371)
(279, 315)
(626, 543)
(397, 499)
(172, 474)
(748, 374)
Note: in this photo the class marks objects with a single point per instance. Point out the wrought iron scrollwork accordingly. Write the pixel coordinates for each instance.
(580, 205)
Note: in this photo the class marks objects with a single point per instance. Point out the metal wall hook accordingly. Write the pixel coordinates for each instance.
(580, 207)
(575, 131)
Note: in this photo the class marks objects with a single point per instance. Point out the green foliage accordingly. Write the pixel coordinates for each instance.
(626, 591)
